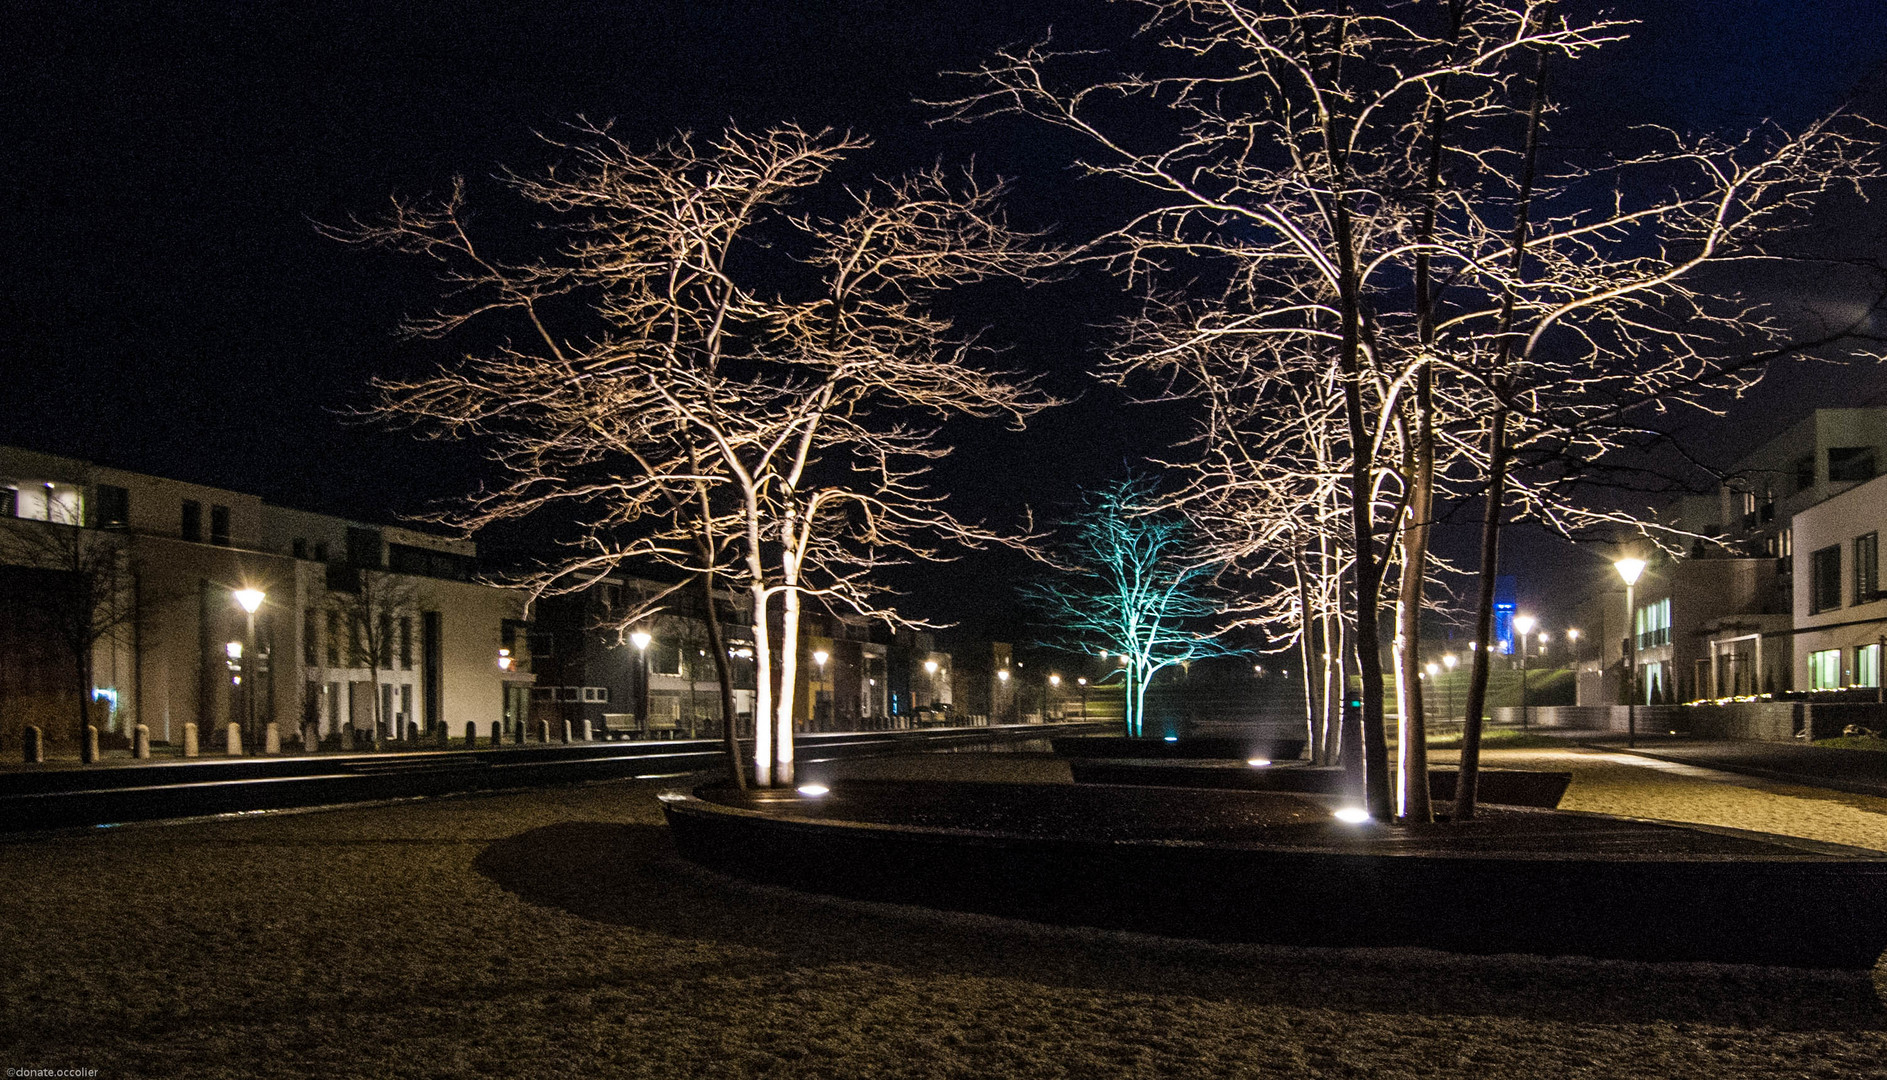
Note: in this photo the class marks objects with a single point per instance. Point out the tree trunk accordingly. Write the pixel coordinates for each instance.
(1466, 784)
(789, 678)
(85, 703)
(724, 670)
(763, 689)
(1305, 647)
(1412, 741)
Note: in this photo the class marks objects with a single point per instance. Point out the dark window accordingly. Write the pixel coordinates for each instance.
(193, 521)
(299, 547)
(219, 525)
(363, 547)
(1804, 472)
(405, 559)
(1866, 567)
(406, 641)
(385, 650)
(321, 551)
(310, 643)
(334, 639)
(1850, 463)
(9, 502)
(542, 643)
(1824, 583)
(111, 507)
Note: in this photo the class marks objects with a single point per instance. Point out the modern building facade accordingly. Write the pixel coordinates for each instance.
(361, 630)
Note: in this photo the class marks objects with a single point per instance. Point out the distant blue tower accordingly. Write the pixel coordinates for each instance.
(1504, 605)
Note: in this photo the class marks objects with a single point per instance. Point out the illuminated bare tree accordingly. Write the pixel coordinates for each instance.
(1131, 587)
(1354, 192)
(742, 416)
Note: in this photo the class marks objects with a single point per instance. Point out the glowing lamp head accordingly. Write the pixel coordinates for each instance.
(813, 791)
(1054, 680)
(1524, 624)
(1434, 669)
(1083, 680)
(930, 666)
(1003, 675)
(1572, 634)
(640, 639)
(820, 656)
(1629, 569)
(250, 599)
(1352, 815)
(233, 650)
(1449, 661)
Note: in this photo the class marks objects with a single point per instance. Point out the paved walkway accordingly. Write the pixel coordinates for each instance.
(1860, 772)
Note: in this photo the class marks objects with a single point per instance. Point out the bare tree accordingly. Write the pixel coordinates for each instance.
(1131, 586)
(377, 617)
(764, 424)
(86, 592)
(1353, 192)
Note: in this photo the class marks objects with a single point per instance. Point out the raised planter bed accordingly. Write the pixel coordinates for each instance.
(1184, 748)
(1277, 867)
(1510, 787)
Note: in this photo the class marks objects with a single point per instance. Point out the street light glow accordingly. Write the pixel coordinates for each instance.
(250, 599)
(930, 666)
(1629, 569)
(1450, 661)
(640, 639)
(820, 656)
(1524, 624)
(1003, 674)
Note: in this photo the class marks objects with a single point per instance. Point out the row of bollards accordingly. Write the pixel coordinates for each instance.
(33, 744)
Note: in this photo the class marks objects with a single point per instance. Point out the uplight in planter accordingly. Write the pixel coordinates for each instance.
(1353, 815)
(813, 791)
(1259, 762)
(1172, 738)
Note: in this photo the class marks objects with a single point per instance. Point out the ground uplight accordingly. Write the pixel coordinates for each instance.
(1354, 815)
(813, 791)
(1259, 762)
(1172, 738)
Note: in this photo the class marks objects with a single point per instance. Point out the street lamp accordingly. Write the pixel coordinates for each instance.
(1084, 696)
(1629, 569)
(1524, 624)
(640, 639)
(250, 600)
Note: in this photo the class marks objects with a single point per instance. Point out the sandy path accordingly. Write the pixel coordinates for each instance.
(555, 934)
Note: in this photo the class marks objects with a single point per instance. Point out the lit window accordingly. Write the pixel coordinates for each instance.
(1867, 665)
(1824, 670)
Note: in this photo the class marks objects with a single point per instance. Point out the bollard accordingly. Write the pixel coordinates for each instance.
(34, 745)
(471, 734)
(141, 741)
(89, 752)
(497, 733)
(189, 740)
(272, 738)
(412, 733)
(584, 729)
(232, 739)
(566, 733)
(310, 737)
(543, 732)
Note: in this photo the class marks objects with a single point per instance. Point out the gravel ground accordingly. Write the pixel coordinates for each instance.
(554, 934)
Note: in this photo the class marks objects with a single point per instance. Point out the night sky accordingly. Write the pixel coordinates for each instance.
(169, 306)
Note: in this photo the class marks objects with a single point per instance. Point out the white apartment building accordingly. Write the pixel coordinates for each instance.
(184, 650)
(1840, 613)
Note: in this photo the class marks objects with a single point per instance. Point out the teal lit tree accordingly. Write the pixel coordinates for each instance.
(1130, 586)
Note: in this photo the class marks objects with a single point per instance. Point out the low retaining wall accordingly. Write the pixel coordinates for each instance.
(1758, 721)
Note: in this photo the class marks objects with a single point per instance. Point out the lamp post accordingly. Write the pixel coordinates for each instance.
(250, 600)
(1524, 624)
(1083, 680)
(1629, 569)
(640, 639)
